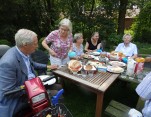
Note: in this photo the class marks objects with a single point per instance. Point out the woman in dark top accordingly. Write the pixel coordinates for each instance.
(94, 43)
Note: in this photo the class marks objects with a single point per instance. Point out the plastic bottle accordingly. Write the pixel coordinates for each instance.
(130, 67)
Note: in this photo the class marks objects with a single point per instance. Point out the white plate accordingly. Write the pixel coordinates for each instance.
(115, 69)
(95, 63)
(95, 53)
(117, 63)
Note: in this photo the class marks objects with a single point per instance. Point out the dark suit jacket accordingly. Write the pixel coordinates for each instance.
(13, 73)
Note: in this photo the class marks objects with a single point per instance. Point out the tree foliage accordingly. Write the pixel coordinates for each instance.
(142, 26)
(43, 16)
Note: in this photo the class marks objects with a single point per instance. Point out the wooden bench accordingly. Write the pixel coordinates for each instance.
(116, 109)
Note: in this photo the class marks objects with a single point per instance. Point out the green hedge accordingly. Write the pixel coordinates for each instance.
(5, 42)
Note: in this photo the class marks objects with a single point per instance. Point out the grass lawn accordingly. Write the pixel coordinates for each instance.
(82, 103)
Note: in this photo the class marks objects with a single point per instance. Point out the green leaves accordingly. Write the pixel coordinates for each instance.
(142, 27)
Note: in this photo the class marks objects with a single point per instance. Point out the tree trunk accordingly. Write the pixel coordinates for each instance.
(121, 17)
(92, 7)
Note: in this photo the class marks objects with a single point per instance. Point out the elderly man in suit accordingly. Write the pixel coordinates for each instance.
(15, 68)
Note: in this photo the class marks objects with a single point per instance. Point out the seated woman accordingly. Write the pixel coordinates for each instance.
(127, 48)
(144, 91)
(77, 45)
(94, 43)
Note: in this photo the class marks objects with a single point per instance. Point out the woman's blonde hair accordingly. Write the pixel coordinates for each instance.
(66, 22)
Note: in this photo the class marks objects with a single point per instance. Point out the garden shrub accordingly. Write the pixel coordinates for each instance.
(114, 40)
(4, 42)
(142, 25)
(40, 45)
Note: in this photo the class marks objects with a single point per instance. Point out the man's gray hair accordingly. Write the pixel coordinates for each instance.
(24, 36)
(127, 35)
(77, 36)
(66, 22)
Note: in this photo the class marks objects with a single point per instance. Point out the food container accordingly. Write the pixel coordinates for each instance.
(90, 69)
(103, 54)
(74, 66)
(139, 68)
(102, 69)
(139, 65)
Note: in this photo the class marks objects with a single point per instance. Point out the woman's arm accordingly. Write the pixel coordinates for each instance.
(45, 45)
(134, 56)
(99, 46)
(71, 47)
(86, 47)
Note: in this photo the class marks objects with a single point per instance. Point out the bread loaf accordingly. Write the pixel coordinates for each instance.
(148, 59)
(74, 65)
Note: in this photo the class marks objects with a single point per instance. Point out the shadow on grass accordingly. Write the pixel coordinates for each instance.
(82, 102)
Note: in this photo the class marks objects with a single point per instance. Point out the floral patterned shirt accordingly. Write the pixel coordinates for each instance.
(60, 47)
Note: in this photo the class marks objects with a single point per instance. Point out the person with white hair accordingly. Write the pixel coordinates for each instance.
(61, 43)
(78, 45)
(16, 67)
(144, 91)
(127, 48)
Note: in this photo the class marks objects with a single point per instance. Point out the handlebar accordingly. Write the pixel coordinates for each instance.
(14, 90)
(45, 78)
(57, 96)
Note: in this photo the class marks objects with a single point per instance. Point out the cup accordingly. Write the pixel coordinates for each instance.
(83, 73)
(103, 54)
(90, 73)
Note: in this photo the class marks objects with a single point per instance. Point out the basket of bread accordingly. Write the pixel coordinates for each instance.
(119, 54)
(74, 66)
(116, 55)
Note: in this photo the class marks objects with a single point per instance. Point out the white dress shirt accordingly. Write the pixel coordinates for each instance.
(129, 50)
(144, 91)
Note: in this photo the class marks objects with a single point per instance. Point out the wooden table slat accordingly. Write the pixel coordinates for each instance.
(98, 84)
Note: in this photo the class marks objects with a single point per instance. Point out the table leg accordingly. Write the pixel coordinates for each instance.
(99, 104)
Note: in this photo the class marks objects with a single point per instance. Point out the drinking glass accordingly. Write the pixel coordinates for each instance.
(83, 73)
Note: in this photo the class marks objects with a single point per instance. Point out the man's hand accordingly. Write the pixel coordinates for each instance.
(52, 66)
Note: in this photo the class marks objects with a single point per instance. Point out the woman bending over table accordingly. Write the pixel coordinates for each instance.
(127, 48)
(94, 43)
(61, 43)
(77, 45)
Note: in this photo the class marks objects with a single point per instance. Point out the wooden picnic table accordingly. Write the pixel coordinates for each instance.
(98, 84)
